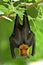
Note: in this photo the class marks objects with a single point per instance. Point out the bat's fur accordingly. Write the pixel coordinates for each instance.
(22, 34)
(24, 49)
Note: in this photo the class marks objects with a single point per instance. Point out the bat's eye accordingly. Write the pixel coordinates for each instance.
(21, 49)
(26, 48)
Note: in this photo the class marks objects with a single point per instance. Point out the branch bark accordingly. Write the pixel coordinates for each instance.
(27, 6)
(34, 4)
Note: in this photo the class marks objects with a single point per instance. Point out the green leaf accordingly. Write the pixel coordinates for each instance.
(3, 9)
(16, 3)
(6, 28)
(32, 12)
(6, 0)
(15, 0)
(29, 0)
(41, 4)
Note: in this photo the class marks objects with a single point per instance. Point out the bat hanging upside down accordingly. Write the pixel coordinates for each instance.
(22, 37)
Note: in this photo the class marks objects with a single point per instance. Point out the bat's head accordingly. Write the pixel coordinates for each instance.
(24, 49)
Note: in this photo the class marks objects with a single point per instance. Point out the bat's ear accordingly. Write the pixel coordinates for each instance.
(17, 20)
(25, 19)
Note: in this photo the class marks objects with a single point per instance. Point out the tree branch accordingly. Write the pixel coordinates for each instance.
(27, 6)
(7, 15)
(34, 4)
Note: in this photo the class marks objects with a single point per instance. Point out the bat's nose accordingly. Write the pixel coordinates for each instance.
(24, 54)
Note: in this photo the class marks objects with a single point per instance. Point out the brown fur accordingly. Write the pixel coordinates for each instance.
(23, 49)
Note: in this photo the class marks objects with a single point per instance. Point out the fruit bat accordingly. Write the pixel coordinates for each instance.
(22, 37)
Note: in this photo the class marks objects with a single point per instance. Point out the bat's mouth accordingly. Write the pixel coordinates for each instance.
(27, 55)
(24, 55)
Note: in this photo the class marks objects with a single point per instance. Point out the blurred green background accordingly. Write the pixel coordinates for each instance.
(35, 16)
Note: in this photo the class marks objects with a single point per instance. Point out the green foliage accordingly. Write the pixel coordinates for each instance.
(3, 9)
(4, 29)
(35, 15)
(33, 12)
(6, 0)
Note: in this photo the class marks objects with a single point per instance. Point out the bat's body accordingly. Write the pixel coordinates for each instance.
(22, 34)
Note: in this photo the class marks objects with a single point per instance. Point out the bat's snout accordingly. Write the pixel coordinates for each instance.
(24, 50)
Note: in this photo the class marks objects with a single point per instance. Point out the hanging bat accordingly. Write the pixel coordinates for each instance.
(22, 37)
